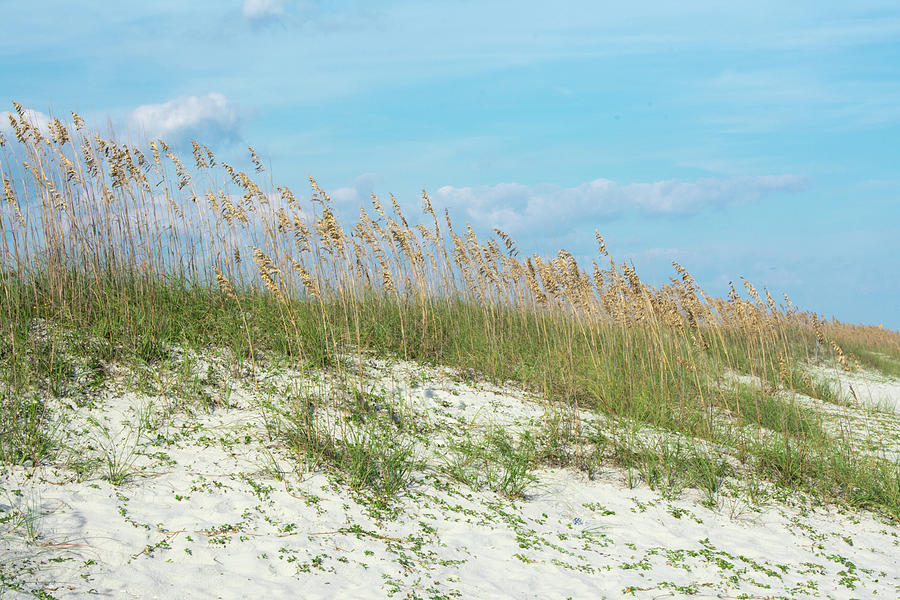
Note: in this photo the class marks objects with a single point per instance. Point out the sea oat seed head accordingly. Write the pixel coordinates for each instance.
(224, 284)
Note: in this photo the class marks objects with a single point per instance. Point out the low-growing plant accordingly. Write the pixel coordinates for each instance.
(22, 515)
(494, 460)
(118, 454)
(365, 448)
(29, 434)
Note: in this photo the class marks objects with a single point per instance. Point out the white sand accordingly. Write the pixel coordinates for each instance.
(865, 387)
(203, 516)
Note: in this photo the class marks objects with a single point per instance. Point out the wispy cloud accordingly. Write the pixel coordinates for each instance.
(768, 100)
(522, 208)
(207, 117)
(262, 10)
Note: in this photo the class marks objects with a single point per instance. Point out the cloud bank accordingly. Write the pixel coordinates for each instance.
(522, 208)
(210, 117)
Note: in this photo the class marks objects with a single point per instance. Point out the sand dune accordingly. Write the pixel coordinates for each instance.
(184, 503)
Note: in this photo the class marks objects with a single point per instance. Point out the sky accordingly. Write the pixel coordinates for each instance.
(743, 139)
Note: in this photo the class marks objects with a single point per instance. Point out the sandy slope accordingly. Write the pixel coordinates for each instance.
(209, 509)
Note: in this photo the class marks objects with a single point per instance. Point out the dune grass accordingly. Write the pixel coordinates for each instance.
(116, 255)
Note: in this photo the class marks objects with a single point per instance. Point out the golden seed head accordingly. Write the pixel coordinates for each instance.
(378, 208)
(224, 284)
(199, 158)
(311, 288)
(427, 203)
(288, 196)
(254, 158)
(601, 243)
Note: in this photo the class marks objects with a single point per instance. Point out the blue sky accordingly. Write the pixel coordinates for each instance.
(757, 139)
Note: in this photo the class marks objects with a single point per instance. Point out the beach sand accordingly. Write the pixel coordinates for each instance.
(208, 507)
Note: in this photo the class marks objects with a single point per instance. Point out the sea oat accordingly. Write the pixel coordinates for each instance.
(224, 284)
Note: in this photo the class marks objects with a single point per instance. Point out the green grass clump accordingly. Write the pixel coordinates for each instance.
(28, 432)
(494, 460)
(365, 448)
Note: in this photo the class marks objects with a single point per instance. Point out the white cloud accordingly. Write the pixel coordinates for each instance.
(527, 209)
(686, 197)
(258, 10)
(358, 194)
(203, 117)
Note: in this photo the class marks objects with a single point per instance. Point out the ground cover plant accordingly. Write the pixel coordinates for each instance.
(117, 257)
